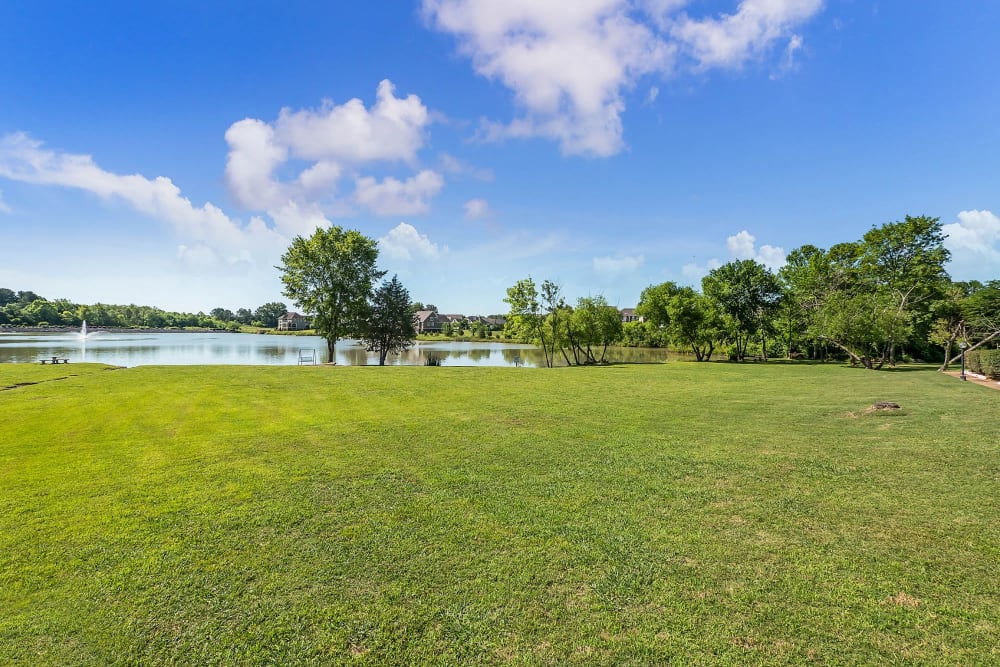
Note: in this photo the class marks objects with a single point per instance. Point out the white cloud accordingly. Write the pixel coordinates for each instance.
(25, 159)
(743, 246)
(567, 63)
(393, 130)
(974, 242)
(394, 197)
(653, 93)
(793, 47)
(729, 40)
(570, 64)
(3, 205)
(476, 209)
(253, 156)
(337, 142)
(405, 243)
(618, 265)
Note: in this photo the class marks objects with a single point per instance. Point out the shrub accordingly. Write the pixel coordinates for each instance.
(984, 362)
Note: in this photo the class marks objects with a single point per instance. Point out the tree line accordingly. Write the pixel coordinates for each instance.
(26, 308)
(874, 301)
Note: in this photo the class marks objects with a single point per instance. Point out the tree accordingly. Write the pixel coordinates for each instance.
(747, 295)
(693, 322)
(330, 275)
(528, 321)
(390, 327)
(872, 296)
(269, 313)
(223, 314)
(592, 324)
(905, 260)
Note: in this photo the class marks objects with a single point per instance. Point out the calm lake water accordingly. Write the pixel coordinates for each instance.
(189, 348)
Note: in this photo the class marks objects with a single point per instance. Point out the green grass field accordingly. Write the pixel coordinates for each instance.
(678, 513)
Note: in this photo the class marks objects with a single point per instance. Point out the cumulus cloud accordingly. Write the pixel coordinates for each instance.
(618, 265)
(405, 243)
(394, 197)
(476, 209)
(27, 160)
(744, 246)
(974, 242)
(567, 63)
(337, 142)
(570, 64)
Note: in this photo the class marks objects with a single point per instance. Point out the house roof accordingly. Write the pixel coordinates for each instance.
(291, 316)
(628, 311)
(424, 315)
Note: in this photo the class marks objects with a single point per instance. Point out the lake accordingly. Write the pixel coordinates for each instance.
(191, 348)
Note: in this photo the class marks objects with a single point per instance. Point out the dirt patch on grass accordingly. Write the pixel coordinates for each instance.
(902, 599)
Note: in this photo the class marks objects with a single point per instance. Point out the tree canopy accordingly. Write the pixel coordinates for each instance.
(331, 276)
(390, 326)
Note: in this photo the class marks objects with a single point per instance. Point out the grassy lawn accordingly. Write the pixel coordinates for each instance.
(677, 513)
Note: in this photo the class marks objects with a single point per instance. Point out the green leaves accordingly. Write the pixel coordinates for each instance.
(330, 275)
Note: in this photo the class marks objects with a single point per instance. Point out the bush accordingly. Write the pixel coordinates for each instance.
(984, 362)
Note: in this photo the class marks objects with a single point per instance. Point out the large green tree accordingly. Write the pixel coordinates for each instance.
(747, 296)
(872, 296)
(687, 318)
(593, 325)
(269, 313)
(331, 275)
(390, 327)
(535, 317)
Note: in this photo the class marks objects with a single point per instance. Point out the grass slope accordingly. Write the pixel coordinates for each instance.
(678, 513)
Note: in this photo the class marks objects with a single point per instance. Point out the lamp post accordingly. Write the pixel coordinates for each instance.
(963, 345)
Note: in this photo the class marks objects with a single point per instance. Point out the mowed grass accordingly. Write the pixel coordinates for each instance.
(677, 513)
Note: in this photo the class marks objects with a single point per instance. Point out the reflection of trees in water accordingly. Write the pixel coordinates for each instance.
(130, 349)
(479, 354)
(352, 356)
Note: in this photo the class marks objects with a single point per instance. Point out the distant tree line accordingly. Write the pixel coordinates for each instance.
(873, 301)
(26, 308)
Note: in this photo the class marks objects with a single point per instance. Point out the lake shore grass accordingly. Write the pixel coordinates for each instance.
(640, 514)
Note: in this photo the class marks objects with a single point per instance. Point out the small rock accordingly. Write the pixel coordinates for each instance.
(886, 405)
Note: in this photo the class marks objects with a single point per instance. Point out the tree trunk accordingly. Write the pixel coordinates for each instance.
(854, 357)
(947, 350)
(331, 350)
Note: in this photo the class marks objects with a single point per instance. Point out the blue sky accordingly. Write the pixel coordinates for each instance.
(166, 153)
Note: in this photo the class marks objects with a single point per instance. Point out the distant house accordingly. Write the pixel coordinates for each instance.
(292, 322)
(628, 315)
(451, 318)
(495, 322)
(427, 321)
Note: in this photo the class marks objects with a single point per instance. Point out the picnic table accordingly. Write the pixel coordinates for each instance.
(55, 360)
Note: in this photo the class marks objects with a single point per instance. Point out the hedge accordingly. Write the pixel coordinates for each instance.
(984, 362)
